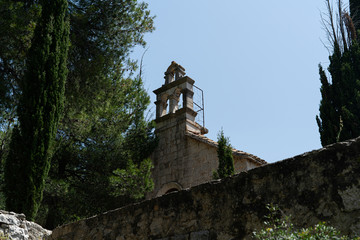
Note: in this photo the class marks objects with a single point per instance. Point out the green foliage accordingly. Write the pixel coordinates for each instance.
(16, 31)
(339, 117)
(354, 12)
(104, 123)
(102, 36)
(133, 181)
(89, 152)
(4, 236)
(39, 110)
(2, 201)
(278, 226)
(226, 161)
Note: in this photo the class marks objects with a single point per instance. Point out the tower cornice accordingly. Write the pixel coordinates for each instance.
(173, 84)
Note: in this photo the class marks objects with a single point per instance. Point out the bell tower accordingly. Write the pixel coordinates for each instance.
(185, 157)
(175, 117)
(169, 105)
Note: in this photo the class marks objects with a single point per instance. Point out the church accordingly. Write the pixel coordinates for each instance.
(185, 157)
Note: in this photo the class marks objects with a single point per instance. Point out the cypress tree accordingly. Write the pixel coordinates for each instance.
(328, 114)
(226, 161)
(339, 117)
(340, 105)
(39, 110)
(355, 11)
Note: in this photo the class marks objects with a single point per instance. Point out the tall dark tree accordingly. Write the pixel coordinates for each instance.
(104, 126)
(354, 6)
(16, 31)
(115, 136)
(39, 110)
(102, 35)
(226, 161)
(339, 117)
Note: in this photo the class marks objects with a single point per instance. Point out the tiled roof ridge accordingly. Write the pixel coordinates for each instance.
(211, 142)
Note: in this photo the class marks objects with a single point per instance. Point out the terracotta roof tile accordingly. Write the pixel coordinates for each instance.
(206, 140)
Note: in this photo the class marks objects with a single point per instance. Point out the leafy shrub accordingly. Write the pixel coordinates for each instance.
(279, 226)
(134, 181)
(4, 236)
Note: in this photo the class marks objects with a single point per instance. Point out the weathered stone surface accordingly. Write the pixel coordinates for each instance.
(322, 185)
(350, 198)
(180, 237)
(16, 227)
(201, 235)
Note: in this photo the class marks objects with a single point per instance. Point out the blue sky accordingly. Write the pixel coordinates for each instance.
(256, 61)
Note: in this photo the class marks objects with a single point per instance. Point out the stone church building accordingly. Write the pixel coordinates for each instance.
(185, 157)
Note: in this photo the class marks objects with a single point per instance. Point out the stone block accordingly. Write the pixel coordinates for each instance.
(169, 178)
(156, 226)
(162, 180)
(180, 237)
(201, 235)
(350, 198)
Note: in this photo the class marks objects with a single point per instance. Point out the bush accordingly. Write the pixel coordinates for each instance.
(279, 226)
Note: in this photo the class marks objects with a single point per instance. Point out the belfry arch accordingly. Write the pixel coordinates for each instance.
(176, 84)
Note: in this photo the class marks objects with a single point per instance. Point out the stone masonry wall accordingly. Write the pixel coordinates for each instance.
(322, 185)
(203, 161)
(169, 157)
(182, 160)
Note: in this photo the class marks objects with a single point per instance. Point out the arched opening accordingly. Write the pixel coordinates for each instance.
(181, 101)
(177, 96)
(164, 106)
(172, 190)
(169, 187)
(167, 106)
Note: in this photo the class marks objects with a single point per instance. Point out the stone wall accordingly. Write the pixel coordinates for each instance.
(322, 185)
(203, 161)
(184, 159)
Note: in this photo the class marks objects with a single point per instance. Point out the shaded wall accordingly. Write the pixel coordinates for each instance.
(181, 161)
(322, 185)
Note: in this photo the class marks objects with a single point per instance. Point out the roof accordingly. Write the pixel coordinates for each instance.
(208, 141)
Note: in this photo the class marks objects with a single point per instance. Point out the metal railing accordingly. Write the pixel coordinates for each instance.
(198, 100)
